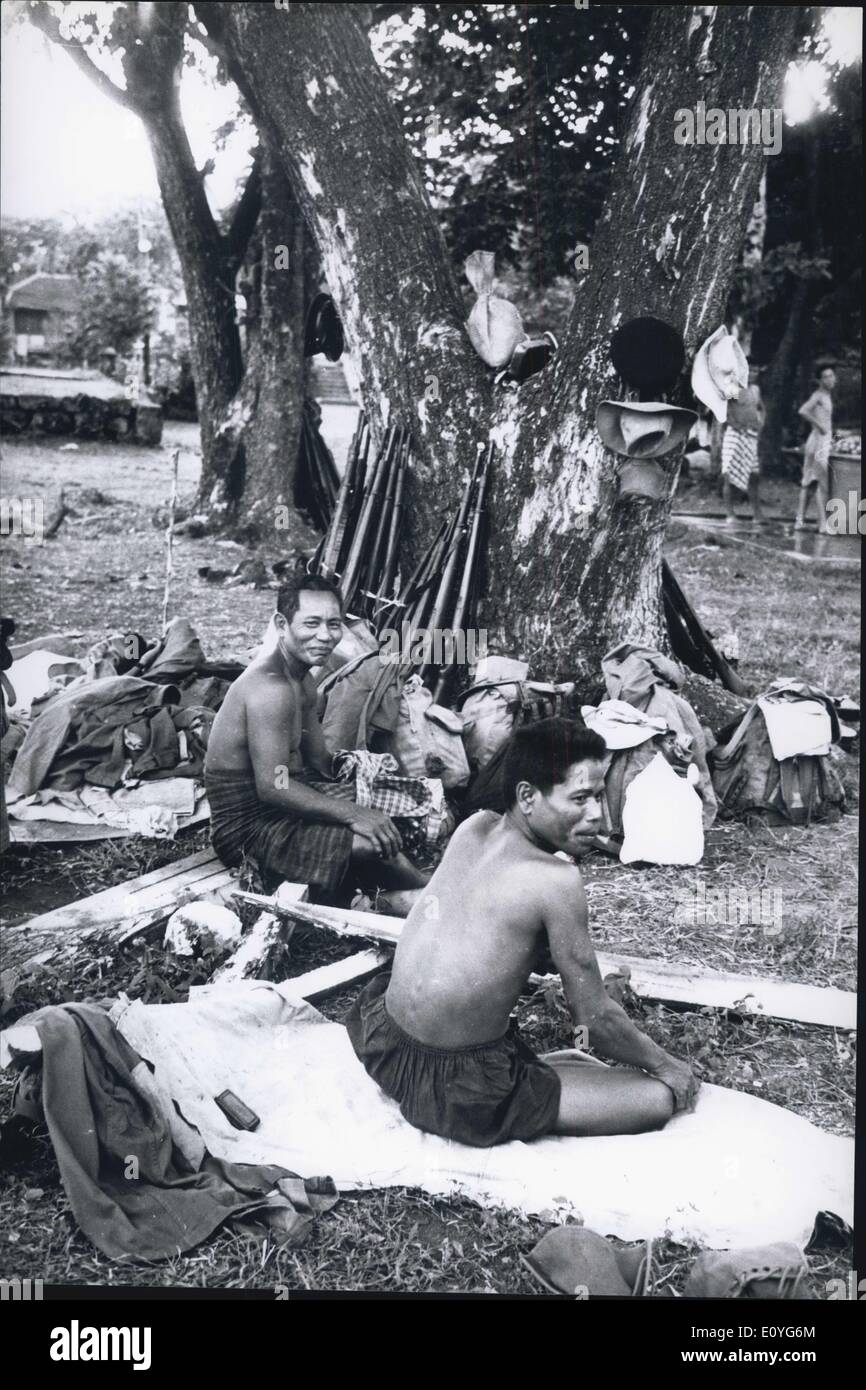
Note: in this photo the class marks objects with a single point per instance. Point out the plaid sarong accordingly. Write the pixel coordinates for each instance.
(300, 850)
(739, 456)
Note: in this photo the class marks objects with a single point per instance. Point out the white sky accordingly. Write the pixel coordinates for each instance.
(65, 148)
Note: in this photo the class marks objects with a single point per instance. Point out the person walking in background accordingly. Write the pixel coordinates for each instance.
(740, 466)
(818, 411)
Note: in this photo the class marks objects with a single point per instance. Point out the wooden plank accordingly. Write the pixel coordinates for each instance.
(128, 899)
(126, 910)
(747, 994)
(269, 935)
(328, 979)
(651, 979)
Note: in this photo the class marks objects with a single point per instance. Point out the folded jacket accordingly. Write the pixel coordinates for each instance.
(81, 728)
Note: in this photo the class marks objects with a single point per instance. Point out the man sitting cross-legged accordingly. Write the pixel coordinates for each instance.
(435, 1034)
(268, 770)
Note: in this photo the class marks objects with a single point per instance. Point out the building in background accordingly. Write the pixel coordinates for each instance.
(42, 308)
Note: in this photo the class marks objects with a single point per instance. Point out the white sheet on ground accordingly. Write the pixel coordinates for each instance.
(737, 1171)
(153, 809)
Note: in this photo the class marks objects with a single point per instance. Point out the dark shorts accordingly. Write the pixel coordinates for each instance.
(477, 1095)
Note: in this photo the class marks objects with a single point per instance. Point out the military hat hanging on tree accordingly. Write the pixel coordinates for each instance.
(323, 331)
(649, 356)
(648, 353)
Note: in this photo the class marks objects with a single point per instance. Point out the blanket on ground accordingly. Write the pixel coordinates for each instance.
(736, 1171)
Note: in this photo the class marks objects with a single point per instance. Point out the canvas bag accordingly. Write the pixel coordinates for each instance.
(491, 711)
(494, 325)
(427, 740)
(662, 817)
(747, 777)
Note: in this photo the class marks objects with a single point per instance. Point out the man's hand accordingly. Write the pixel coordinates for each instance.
(378, 828)
(680, 1078)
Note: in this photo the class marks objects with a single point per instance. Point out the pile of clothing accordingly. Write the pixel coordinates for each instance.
(86, 734)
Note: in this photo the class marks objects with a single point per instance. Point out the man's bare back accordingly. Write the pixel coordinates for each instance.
(435, 1035)
(471, 941)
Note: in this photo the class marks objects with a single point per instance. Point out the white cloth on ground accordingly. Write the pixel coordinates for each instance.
(736, 1171)
(150, 809)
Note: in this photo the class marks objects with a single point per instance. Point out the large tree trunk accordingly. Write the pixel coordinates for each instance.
(313, 86)
(573, 567)
(262, 424)
(249, 412)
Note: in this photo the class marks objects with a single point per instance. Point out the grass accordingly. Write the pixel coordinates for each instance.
(106, 573)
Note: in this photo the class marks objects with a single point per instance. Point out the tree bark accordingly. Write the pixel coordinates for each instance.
(249, 413)
(573, 567)
(313, 86)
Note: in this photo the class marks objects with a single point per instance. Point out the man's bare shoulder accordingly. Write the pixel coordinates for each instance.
(269, 688)
(559, 881)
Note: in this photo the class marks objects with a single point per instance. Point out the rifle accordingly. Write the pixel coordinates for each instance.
(374, 565)
(446, 583)
(330, 554)
(461, 608)
(352, 572)
(393, 546)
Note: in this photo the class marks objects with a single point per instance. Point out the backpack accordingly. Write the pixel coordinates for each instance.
(796, 790)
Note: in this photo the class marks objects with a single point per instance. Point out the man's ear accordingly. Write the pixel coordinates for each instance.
(526, 794)
(280, 622)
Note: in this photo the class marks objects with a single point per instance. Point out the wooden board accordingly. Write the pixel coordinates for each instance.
(328, 979)
(651, 979)
(128, 909)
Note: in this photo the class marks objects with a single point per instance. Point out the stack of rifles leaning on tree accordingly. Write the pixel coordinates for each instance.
(359, 551)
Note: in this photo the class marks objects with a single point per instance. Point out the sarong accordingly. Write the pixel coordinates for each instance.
(480, 1095)
(739, 456)
(295, 848)
(816, 460)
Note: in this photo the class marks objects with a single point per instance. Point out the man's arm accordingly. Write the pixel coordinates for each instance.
(268, 725)
(314, 750)
(267, 736)
(610, 1030)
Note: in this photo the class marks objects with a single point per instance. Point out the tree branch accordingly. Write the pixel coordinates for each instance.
(245, 214)
(47, 23)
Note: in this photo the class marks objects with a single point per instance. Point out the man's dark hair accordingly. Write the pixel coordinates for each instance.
(288, 598)
(542, 753)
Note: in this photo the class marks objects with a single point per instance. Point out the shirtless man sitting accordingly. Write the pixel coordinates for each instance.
(268, 771)
(435, 1034)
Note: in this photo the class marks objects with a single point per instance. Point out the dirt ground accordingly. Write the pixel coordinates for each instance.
(104, 571)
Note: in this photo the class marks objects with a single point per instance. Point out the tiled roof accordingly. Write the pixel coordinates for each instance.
(43, 291)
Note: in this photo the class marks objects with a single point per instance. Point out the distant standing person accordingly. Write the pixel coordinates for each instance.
(740, 466)
(818, 411)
